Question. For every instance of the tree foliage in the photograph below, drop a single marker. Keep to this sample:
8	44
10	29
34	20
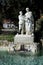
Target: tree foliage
39	26
10	8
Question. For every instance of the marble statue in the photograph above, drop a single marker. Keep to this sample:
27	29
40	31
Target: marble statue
26	40
28	21
21	22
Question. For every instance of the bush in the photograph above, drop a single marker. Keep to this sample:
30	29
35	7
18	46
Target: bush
39	26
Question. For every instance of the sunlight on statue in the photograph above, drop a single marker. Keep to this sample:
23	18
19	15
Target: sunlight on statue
28	21
21	22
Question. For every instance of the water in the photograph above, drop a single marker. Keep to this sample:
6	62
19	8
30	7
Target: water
20	59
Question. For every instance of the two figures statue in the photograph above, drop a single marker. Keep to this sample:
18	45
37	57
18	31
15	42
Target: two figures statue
26	22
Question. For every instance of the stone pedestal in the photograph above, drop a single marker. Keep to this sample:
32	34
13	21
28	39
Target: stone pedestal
27	41
23	39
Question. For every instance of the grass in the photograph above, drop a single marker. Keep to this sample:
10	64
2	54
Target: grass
8	37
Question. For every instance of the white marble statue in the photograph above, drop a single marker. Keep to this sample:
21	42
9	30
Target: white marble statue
28	21
21	22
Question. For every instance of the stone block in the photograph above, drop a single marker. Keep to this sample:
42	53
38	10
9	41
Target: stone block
23	39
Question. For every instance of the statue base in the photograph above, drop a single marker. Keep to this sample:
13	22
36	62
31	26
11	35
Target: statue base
23	39
25	43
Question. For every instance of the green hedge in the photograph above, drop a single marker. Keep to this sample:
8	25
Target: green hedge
9	37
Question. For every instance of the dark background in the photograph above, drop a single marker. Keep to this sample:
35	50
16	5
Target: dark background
9	9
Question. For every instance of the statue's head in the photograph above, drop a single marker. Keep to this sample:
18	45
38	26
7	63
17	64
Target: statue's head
20	13
27	9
